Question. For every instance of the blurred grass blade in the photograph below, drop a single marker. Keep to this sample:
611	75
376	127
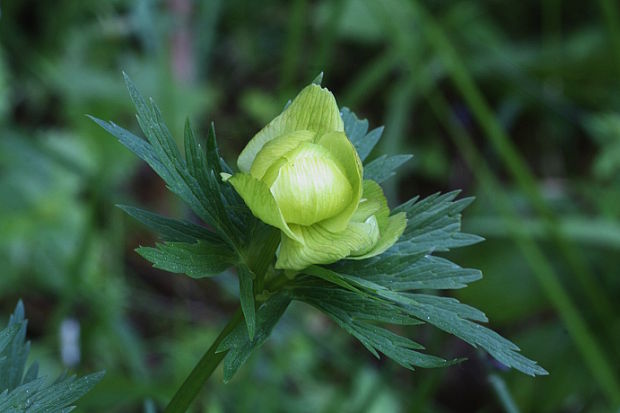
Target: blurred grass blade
582	336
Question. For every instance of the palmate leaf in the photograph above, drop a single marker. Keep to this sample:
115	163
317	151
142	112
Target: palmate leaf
415	272
357	132
433	225
380	169
198	260
358	313
195	178
172	229
384	167
26	392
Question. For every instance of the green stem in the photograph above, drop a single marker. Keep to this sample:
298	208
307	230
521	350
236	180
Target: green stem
257	257
202	371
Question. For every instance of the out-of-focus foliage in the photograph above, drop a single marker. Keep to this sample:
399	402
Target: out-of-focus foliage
516	103
23	390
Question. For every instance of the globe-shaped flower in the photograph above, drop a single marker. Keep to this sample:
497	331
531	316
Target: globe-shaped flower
301	174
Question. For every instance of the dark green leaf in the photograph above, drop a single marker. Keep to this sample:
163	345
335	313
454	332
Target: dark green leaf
60	395
16	353
32	372
200	259
357	132
246	295
374	338
330	276
238	343
195	179
455	318
384	167
410	272
135	144
433	224
27	393
172	229
357	306
7	335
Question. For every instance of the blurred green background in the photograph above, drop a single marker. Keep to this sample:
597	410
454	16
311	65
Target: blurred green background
516	103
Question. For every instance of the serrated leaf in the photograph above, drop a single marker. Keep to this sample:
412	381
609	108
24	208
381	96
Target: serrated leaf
331	277
384	167
411	272
195	180
16	353
337	306
246	295
433	225
17	400
206	167
357	306
239	345
63	393
454	319
7	335
198	260
172	229
32	373
137	145
357	132
27	393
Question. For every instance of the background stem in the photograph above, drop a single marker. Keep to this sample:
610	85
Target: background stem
502	393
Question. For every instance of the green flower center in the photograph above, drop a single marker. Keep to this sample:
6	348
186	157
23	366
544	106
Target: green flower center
308	185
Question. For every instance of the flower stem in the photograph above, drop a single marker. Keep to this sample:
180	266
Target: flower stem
202	371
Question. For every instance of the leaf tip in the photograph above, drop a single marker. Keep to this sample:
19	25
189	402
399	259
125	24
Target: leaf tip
20	313
318	79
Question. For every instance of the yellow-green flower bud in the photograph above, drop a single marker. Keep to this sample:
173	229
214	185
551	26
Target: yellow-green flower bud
301	174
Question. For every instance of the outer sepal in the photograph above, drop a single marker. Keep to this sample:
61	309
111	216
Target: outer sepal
314	109
390	227
260	200
369	232
321	246
341	148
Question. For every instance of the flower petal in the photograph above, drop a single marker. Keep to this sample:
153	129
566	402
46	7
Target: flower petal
261	202
345	154
277	148
373	202
313	109
321	246
310	187
390	227
389	235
